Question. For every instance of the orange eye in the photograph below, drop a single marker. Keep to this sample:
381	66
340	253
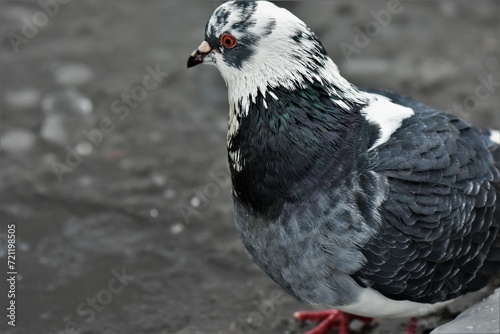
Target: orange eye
227	40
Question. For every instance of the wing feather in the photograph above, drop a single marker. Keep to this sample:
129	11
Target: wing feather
438	222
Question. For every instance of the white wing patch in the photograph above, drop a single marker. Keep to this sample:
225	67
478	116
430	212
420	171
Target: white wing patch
387	115
495	136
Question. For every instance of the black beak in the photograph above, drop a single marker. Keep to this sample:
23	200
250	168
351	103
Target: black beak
196	58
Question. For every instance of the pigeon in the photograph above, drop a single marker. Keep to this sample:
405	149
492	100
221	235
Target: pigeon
362	201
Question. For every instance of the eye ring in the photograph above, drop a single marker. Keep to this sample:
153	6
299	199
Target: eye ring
227	40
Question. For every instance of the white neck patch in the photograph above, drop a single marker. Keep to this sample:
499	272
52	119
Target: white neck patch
388	115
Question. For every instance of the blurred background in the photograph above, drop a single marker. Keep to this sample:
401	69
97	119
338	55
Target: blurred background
113	158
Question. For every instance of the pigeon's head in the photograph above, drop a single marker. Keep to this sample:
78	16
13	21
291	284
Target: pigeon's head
257	46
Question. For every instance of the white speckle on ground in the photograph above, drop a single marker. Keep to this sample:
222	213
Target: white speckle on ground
22	98
177	228
17	141
154	213
73	74
195	202
84	148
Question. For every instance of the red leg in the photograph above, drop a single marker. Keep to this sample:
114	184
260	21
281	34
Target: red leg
411	328
329	319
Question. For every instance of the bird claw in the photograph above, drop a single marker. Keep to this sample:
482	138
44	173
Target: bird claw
329	319
411	328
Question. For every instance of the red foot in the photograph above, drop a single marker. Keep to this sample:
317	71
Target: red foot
329	319
411	328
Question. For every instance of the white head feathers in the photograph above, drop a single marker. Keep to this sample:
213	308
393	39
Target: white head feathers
274	48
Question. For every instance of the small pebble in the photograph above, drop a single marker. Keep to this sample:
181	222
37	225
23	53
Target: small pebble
153	213
158	179
84	148
195	202
169	193
177	228
17	140
22	98
73	74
